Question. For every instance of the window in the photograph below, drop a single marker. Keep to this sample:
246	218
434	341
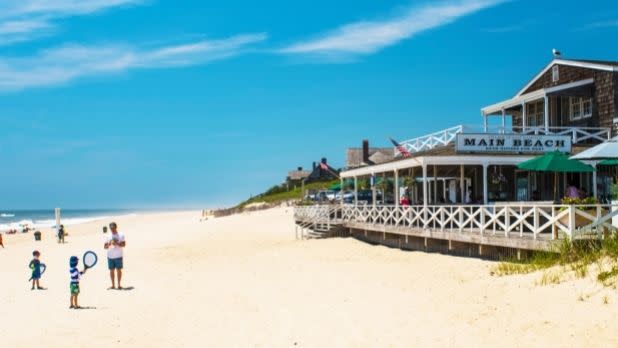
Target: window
580	108
555	73
534	114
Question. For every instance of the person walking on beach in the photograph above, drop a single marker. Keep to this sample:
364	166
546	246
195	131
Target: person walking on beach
114	244
1	244
61	234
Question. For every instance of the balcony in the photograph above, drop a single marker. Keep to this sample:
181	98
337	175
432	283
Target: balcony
448	136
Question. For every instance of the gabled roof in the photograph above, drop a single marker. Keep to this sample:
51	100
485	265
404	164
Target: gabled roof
582	63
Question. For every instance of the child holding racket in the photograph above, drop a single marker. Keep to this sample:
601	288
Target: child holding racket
35	266
75	277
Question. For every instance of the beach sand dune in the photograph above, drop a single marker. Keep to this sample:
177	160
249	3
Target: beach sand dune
244	281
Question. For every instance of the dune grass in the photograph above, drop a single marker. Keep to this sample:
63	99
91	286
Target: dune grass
567	256
279	194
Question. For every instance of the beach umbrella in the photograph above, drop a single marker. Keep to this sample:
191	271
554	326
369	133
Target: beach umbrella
603	151
335	187
609	162
556	162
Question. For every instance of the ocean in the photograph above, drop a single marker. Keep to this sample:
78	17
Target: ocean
16	219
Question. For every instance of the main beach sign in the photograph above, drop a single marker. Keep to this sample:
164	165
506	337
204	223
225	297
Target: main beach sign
512	143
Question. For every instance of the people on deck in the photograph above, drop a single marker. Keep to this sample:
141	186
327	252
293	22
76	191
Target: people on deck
114	244
404	201
572	191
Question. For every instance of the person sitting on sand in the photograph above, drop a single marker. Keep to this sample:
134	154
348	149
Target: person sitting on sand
114	244
75	277
35	266
1	244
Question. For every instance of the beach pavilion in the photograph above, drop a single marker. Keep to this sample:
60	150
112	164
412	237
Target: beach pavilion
466	178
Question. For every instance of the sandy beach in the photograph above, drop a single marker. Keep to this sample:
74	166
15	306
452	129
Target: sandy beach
244	281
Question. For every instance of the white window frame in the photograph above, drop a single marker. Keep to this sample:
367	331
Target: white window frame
576	105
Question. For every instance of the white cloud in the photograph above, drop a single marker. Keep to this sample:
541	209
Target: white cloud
64	64
367	37
14	8
24	20
602	24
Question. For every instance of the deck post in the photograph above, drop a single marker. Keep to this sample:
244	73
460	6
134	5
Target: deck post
594	181
572	225
425	195
503	122
435	184
396	188
546	112
462	186
341	191
484	122
373	189
523	116
485	165
355	192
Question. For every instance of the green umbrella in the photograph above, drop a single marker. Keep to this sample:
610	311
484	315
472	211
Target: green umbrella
335	187
609	162
556	162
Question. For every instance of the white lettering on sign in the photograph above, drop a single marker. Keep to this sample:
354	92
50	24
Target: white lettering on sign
512	143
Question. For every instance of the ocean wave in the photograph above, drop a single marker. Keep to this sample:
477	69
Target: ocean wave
7	215
50	223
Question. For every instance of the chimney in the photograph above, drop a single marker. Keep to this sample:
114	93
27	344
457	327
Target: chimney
314	165
365	151
323	160
300	169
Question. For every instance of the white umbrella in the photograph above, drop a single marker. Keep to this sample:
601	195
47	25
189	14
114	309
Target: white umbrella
606	150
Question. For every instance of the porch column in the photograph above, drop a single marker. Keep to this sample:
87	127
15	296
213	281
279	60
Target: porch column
444	189
355	191
594	181
484	122
523	115
396	188
435	185
546	111
425	195
503	121
341	191
485	165
373	181
462	184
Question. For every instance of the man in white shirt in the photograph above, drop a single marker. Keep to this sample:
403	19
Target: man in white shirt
114	244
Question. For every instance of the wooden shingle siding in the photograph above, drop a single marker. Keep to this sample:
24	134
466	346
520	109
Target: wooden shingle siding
605	95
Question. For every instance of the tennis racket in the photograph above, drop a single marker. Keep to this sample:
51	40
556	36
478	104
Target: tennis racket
90	259
43	268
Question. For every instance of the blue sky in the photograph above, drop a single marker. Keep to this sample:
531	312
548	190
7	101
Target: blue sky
158	103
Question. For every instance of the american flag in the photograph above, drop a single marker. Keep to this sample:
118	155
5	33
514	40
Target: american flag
401	149
324	166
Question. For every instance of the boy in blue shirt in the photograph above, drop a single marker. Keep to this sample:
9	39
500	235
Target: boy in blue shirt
35	266
75	277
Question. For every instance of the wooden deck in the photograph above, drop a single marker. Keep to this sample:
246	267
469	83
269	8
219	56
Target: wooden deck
521	227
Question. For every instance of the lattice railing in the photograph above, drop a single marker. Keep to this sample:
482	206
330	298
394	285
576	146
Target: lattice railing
428	142
578	134
510	221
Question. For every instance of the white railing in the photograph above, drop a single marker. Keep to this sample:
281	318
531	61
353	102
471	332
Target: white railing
448	136
428	142
510	221
578	134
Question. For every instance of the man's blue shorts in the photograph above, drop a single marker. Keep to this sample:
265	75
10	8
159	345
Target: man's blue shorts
114	263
